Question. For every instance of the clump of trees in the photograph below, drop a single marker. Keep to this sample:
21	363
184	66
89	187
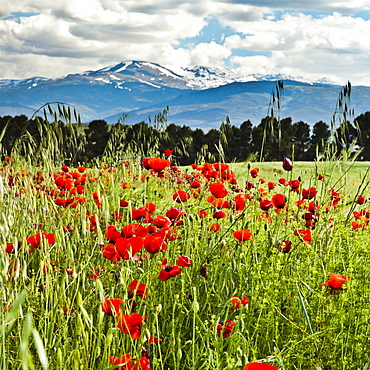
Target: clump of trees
271	140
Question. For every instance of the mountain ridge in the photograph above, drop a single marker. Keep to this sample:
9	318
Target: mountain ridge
198	96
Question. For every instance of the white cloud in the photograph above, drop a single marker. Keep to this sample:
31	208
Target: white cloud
68	36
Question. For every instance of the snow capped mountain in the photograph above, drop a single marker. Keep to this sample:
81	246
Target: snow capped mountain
199	96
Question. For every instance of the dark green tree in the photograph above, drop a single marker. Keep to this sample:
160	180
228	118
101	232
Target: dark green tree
301	140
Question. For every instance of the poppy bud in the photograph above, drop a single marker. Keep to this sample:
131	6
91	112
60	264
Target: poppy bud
287	164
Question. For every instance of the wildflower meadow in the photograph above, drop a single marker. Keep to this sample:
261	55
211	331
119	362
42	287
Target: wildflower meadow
139	264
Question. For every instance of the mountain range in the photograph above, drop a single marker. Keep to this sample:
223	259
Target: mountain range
199	97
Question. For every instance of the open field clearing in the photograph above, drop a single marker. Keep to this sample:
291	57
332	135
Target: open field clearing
142	265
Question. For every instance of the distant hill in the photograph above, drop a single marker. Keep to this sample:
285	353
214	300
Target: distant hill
199	97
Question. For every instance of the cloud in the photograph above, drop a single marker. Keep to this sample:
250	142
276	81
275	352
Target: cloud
68	36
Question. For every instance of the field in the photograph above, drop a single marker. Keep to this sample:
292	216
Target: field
143	265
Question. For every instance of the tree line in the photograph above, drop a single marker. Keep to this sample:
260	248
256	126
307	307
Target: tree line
271	140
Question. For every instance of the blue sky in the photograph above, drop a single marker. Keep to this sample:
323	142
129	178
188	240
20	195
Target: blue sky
311	39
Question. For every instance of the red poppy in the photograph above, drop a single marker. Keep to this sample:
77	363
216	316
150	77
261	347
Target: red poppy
294	184
305	235
124	362
254	172
154	340
219	214
158	164
283	181
218	190
360	199
150	207
309	193
134	229
236	302
112	234
128	247
174	213
110	252
139	288
195	184
161	221
287	164
184	261
154	244
265	204
130	324
225	328
219	166
168	271
243	235
123	203
140	214
202	214
35	240
181	196
168	152
336	282
284	245
278	200
259	366
112	306
214	227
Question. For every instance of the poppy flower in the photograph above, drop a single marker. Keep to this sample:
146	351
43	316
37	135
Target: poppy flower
294	184
265	204
284	246
134	230
202	214
195	184
174	213
214	227
130	324
184	261
154	340
219	214
236	302
225	328
139	288
287	164
112	306
254	172
35	240
259	366
124	362
243	235
150	207
128	247
168	152
309	193
305	235
336	282
168	271
110	252
123	203
218	190
360	199
278	200
154	244
161	221
158	164
283	181
112	234
181	196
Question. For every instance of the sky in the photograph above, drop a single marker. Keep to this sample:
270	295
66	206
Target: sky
306	38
